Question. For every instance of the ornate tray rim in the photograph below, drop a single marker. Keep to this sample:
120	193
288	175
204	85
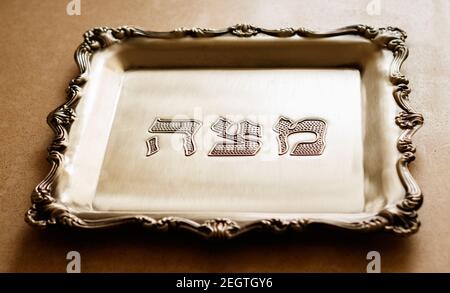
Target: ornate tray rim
401	218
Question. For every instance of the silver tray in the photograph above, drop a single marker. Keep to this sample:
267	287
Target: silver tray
221	132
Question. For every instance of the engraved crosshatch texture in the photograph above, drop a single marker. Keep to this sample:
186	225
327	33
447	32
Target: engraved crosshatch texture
286	126
240	144
152	145
186	127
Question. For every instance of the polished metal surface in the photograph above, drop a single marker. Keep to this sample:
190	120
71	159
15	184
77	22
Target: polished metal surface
226	131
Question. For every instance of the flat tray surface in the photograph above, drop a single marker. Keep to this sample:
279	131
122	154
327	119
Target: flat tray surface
265	182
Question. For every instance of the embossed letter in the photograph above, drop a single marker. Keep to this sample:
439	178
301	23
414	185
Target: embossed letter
285	127
187	127
241	144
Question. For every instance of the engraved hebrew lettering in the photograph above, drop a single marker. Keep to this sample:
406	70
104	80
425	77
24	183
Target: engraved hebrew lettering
241	144
152	145
186	127
286	126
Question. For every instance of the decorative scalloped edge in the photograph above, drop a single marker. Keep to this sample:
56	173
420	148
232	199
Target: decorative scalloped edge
401	218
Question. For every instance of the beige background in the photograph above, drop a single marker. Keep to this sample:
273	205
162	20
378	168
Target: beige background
38	40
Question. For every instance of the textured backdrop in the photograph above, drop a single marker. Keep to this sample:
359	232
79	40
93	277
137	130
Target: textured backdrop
36	53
